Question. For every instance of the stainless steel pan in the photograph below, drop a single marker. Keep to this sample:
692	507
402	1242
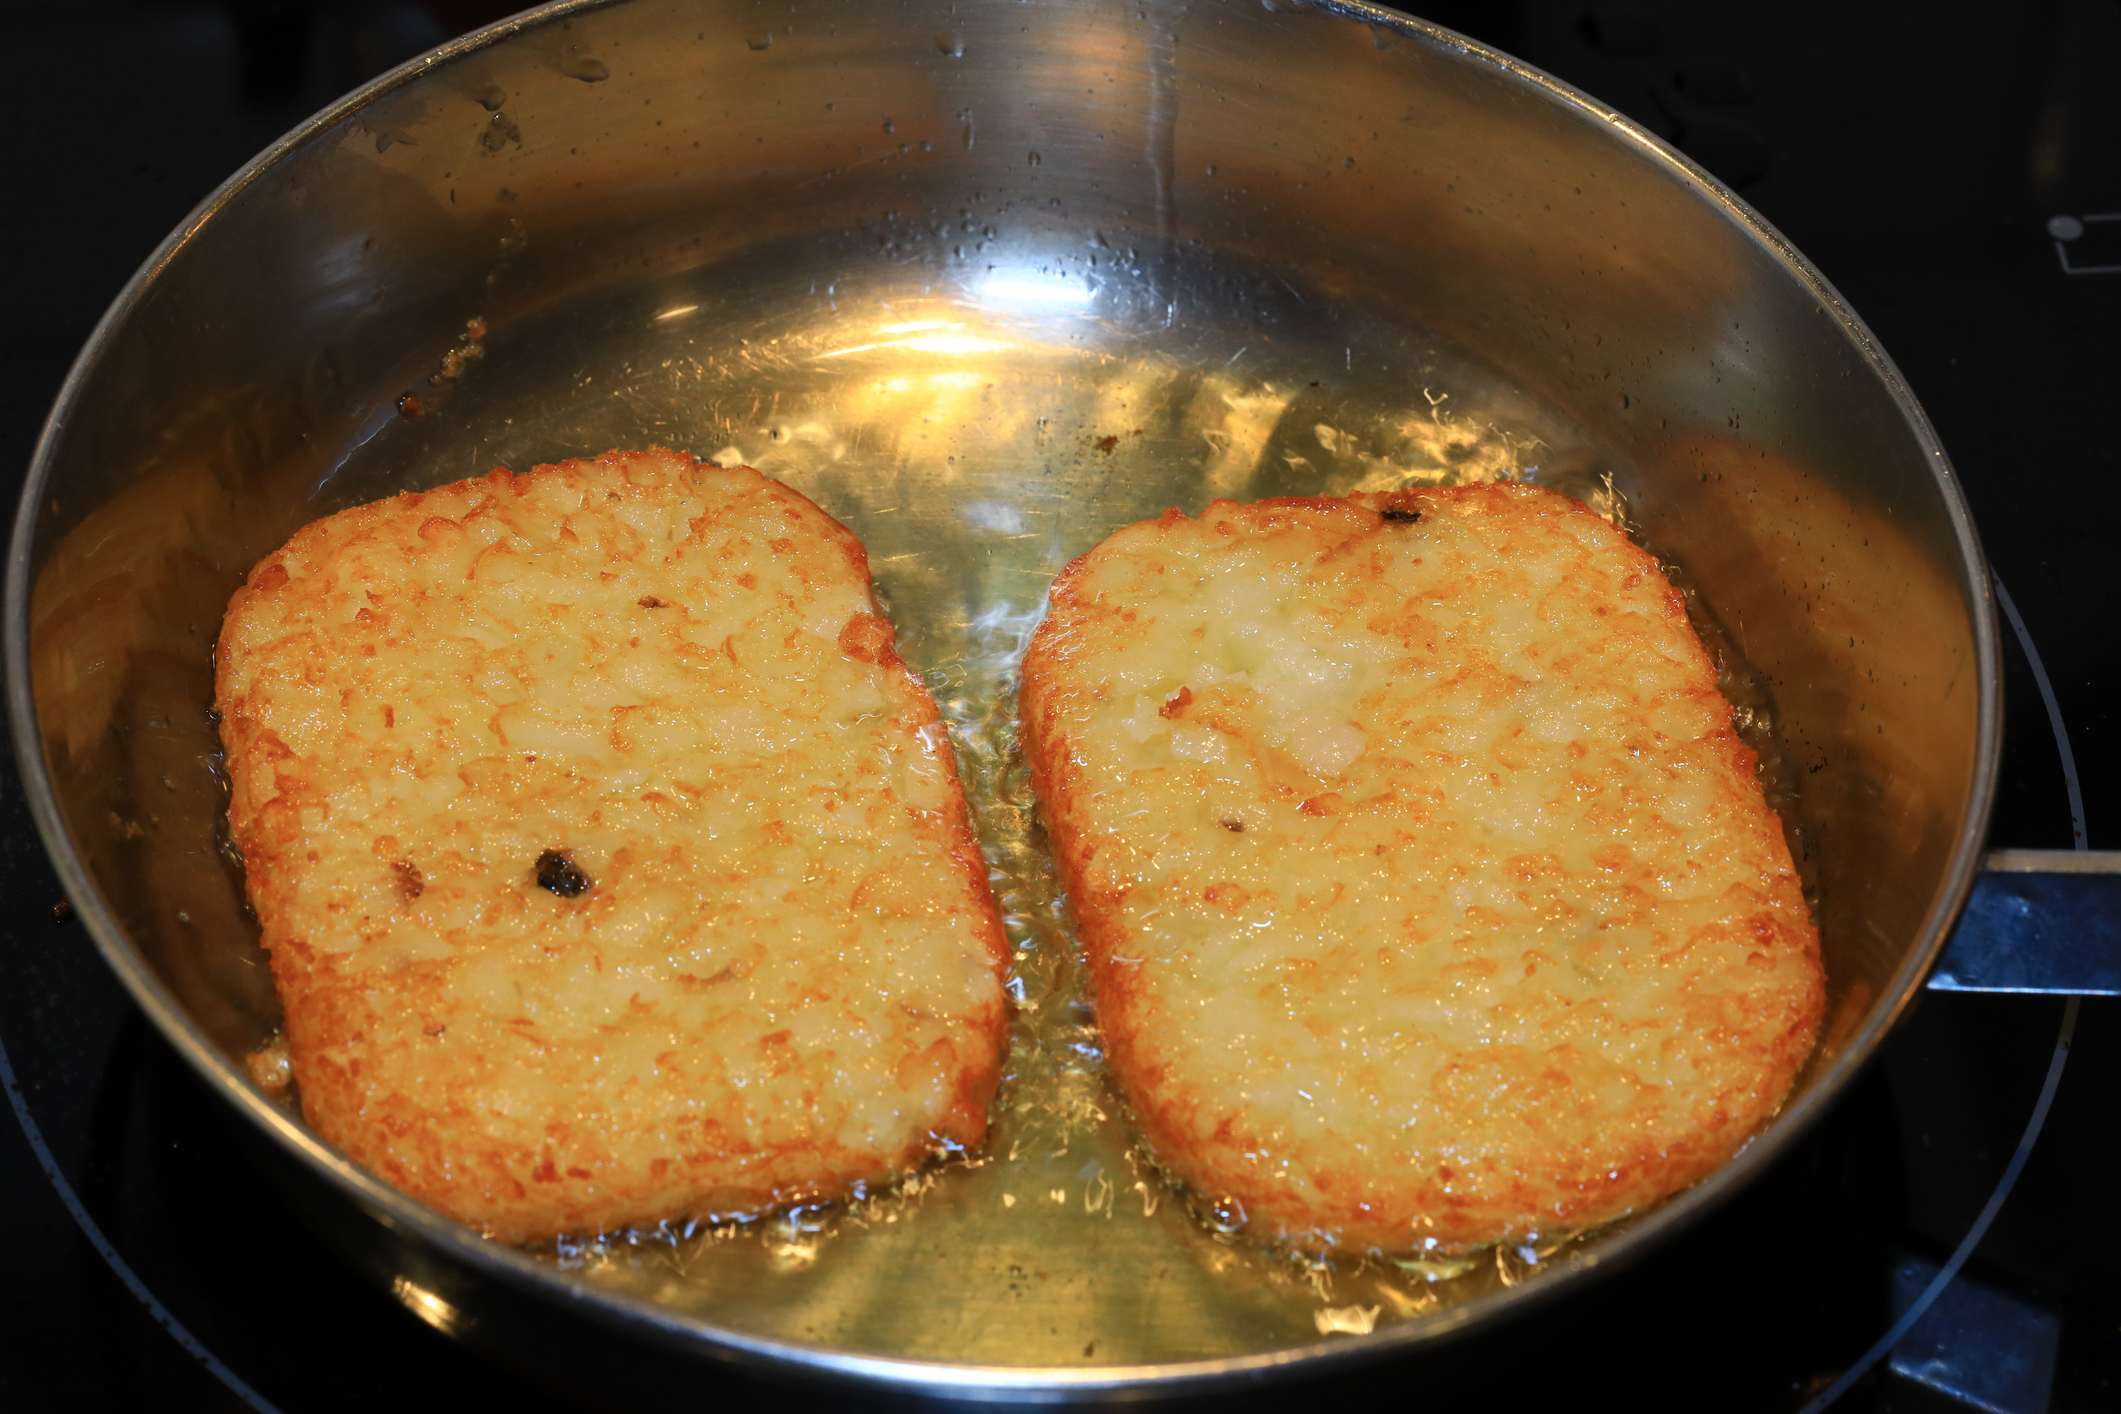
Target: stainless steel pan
988	280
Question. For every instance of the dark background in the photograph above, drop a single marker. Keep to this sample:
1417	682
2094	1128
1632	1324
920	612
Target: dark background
1915	152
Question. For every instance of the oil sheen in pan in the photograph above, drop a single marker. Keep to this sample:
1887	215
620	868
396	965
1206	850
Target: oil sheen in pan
977	438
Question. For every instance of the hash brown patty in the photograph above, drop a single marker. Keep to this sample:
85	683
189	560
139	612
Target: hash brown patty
613	866
1429	897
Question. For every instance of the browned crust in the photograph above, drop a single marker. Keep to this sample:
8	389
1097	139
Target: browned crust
584	1170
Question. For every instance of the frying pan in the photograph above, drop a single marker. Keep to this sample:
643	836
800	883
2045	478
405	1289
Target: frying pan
988	281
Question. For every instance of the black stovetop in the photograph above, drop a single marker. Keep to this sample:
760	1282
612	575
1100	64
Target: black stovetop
1942	164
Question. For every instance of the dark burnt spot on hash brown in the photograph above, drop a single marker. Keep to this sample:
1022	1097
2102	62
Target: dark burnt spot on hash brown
1404	517
559	873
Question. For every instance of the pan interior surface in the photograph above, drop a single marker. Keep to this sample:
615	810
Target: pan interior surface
988	282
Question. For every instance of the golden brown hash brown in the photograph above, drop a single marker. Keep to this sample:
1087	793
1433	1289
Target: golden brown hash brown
613	866
1430	898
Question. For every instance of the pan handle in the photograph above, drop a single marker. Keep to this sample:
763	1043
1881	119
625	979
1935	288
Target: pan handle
2039	920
